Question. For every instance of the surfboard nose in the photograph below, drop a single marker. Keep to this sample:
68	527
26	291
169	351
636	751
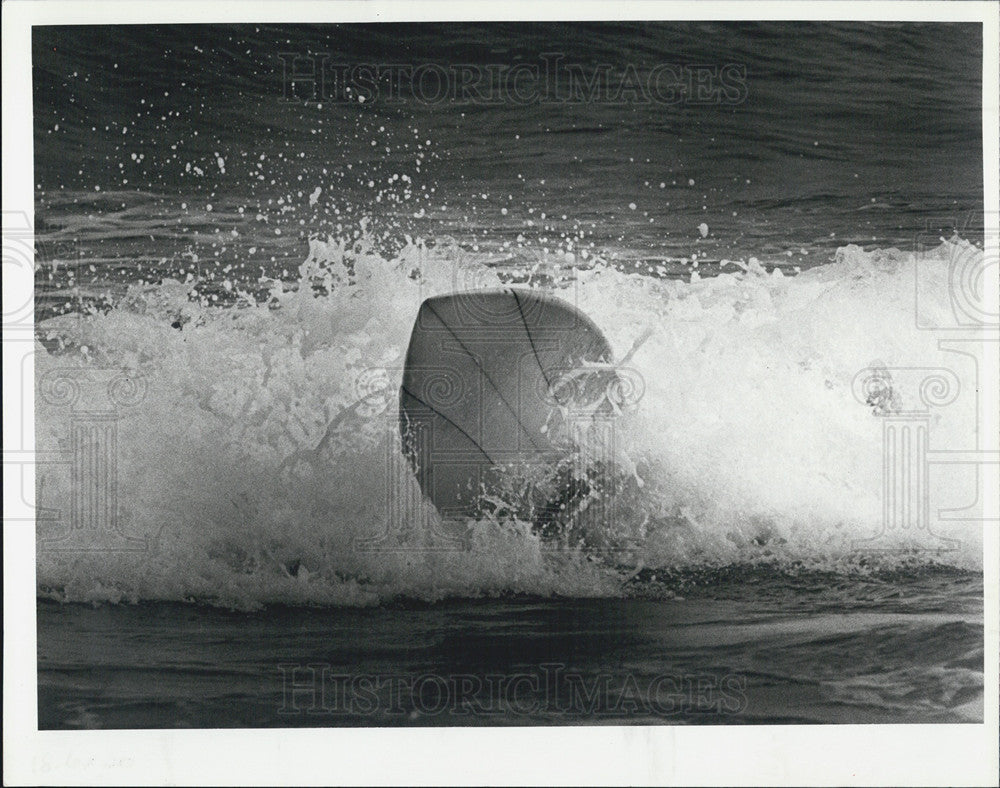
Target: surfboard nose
487	379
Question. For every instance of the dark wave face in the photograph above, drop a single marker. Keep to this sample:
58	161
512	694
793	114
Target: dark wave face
159	147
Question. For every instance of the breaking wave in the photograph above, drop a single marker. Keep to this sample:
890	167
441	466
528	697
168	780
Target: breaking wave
252	455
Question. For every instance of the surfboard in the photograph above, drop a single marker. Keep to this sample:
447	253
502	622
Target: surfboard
487	380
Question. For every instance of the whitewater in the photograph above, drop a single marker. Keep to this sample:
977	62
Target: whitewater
258	455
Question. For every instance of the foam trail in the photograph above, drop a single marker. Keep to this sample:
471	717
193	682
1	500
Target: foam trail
259	463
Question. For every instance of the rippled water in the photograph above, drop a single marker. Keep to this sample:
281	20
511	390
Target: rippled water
835	134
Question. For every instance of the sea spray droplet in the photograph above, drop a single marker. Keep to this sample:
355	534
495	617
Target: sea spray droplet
703	229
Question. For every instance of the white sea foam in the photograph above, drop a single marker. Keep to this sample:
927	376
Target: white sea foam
260	461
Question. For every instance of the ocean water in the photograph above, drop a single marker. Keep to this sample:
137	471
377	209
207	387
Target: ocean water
228	268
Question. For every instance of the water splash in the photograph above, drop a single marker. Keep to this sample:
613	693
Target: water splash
262	465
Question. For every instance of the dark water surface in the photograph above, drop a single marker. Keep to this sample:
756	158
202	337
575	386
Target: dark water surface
909	650
786	139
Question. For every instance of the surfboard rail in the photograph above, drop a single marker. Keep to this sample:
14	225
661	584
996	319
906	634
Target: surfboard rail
495	384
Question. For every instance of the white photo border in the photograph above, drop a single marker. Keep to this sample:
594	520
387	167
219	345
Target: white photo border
718	755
